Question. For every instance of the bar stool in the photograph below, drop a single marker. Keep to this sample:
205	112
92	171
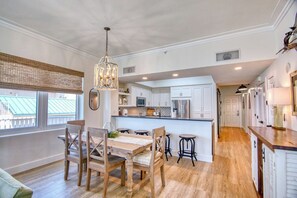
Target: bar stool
141	132
187	153
123	130
167	146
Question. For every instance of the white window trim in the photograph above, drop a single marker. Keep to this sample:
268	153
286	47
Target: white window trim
41	117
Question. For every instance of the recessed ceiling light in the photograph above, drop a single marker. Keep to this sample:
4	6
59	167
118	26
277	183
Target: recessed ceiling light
174	75
238	68
144	78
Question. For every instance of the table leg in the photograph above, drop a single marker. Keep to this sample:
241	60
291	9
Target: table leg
129	165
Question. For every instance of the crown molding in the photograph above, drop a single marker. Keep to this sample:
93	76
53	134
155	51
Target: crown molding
36	35
283	13
203	40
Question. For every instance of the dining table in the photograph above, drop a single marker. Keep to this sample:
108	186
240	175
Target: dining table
127	146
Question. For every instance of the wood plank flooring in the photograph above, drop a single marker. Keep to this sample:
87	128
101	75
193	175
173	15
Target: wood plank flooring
228	176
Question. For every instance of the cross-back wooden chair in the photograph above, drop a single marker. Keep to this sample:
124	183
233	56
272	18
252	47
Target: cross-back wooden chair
99	159
74	151
149	161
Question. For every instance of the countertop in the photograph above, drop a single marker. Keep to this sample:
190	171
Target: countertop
164	118
276	139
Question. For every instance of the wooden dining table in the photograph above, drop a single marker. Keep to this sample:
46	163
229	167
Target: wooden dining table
127	146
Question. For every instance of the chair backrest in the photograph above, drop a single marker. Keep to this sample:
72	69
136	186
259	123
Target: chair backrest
77	122
97	145
73	137
159	135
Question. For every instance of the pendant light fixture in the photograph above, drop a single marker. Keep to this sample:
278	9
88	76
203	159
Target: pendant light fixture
242	88
106	72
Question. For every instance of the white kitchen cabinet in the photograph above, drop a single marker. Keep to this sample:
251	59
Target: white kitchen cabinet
161	97
269	186
181	92
140	92
201	101
285	173
148	95
254	146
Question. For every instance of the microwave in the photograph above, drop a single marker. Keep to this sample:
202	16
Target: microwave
140	101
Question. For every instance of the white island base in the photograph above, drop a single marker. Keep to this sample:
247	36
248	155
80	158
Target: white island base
202	128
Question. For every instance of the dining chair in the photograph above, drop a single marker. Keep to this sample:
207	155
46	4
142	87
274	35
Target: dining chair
74	151
150	160
77	122
98	158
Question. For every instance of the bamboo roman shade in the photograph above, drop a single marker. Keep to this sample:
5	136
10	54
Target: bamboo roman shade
22	73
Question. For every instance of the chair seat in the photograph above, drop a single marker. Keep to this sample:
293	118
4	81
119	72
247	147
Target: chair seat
112	159
75	153
144	158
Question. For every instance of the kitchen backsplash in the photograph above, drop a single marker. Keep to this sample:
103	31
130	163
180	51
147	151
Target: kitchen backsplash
165	111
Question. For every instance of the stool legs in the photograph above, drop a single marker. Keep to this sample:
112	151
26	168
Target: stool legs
187	153
167	149
180	150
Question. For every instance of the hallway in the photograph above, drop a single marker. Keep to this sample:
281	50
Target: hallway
228	176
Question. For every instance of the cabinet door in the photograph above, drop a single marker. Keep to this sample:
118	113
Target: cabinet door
155	97
196	102
134	93
165	97
147	94
186	92
254	146
207	101
181	92
175	92
268	172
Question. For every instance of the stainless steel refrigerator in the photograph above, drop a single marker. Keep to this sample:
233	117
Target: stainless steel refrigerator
180	108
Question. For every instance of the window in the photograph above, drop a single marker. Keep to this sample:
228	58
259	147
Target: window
61	108
18	109
29	111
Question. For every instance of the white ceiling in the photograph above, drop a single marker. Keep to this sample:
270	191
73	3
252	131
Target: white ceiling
136	25
223	75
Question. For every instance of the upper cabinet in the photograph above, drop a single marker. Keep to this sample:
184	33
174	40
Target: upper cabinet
161	97
181	92
140	92
201	101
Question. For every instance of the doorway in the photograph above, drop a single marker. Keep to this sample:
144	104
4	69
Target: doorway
232	111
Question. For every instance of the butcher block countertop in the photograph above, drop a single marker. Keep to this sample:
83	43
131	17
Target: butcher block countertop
276	139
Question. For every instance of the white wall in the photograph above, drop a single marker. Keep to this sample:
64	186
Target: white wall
253	45
278	68
26	151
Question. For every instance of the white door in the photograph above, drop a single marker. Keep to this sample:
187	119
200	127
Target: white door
232	111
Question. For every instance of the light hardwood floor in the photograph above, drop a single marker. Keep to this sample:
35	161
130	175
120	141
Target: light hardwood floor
228	176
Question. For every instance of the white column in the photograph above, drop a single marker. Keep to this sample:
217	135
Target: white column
106	114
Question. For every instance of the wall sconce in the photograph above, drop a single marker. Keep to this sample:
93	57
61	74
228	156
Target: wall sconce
278	97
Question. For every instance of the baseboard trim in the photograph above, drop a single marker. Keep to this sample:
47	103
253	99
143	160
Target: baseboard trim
34	164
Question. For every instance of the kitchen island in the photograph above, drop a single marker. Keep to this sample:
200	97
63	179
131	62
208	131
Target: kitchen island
202	128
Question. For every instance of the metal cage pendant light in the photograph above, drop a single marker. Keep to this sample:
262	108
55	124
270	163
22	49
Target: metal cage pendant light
106	72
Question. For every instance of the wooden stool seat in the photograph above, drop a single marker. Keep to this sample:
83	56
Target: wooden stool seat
187	136
123	130
141	132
